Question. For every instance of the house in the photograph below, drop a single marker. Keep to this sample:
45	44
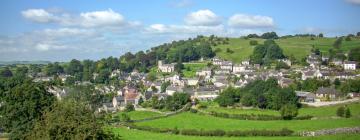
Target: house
337	62
131	96
165	67
286	61
237	68
245	62
305	96
118	101
327	93
204	72
354	95
349	65
217	61
170	90
207	93
107	107
226	65
307	74
285	82
192	81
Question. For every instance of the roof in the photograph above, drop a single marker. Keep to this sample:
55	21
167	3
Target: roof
327	90
350	62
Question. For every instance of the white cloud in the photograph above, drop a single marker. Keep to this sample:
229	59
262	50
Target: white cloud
250	21
101	18
105	18
357	2
182	3
184	29
49	46
38	15
202	18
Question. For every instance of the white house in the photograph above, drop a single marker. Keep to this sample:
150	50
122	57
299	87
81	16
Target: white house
239	68
165	67
349	65
226	65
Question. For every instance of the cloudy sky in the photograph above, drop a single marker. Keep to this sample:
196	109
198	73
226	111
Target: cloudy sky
83	29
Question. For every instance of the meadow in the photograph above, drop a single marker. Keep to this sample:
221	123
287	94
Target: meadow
127	134
190	69
300	47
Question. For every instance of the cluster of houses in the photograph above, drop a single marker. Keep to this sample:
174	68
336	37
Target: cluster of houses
210	81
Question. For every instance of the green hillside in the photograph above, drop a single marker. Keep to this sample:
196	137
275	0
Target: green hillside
297	46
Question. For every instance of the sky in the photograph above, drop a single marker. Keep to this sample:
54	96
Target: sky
55	30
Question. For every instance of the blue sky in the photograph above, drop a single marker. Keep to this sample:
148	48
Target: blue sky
62	30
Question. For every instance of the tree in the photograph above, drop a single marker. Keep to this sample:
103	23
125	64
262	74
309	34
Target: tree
348	38
358	34
347	113
269	35
70	119
179	66
141	100
340	111
321	35
129	107
253	42
354	54
281	65
6	72
337	43
288	111
74	67
337	82
227	97
22	104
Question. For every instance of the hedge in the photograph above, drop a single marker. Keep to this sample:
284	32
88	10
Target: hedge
217	132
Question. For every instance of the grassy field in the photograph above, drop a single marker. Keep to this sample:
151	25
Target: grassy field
143	135
297	46
194	121
191	68
319	112
138	115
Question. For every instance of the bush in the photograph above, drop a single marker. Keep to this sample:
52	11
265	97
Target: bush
347	113
253	42
288	111
193	110
245	116
340	111
129	107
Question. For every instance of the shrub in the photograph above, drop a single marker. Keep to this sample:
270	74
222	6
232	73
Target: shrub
288	111
347	113
129	107
340	111
193	110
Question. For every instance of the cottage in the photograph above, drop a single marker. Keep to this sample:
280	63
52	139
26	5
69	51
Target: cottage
237	68
207	93
131	96
349	65
204	72
245	62
305	96
192	81
327	93
165	67
226	65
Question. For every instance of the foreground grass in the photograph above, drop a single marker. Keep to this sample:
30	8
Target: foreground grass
297	46
189	120
127	134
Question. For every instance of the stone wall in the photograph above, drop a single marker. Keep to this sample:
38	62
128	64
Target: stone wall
344	130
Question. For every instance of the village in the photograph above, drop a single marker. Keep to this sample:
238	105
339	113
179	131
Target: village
218	75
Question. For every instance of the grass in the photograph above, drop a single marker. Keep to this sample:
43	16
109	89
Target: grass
330	111
191	68
242	111
300	47
319	112
138	115
127	134
194	121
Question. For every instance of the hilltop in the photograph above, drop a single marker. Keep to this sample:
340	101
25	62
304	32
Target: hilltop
300	47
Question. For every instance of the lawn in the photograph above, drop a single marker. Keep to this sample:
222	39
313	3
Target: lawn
189	120
127	134
138	115
190	69
300	47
